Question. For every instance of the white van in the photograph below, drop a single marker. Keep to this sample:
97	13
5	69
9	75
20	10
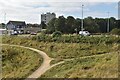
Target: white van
84	33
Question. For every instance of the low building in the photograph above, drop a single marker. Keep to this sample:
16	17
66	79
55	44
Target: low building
3	31
16	26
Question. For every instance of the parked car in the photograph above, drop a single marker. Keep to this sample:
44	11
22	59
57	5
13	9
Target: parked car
84	33
33	33
27	32
20	32
14	33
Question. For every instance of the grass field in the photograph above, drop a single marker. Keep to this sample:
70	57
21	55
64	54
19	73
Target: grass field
103	60
102	66
18	62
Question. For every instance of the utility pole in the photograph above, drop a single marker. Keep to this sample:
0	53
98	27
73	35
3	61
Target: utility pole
108	23
5	20
82	19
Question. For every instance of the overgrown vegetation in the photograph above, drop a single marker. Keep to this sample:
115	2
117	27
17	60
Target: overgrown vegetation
18	62
77	39
87	46
56	34
115	31
101	66
100	54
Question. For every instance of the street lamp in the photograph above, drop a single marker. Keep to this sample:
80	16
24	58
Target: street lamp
82	19
108	23
5	20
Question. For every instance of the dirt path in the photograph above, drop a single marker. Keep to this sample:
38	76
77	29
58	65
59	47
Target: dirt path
44	66
46	62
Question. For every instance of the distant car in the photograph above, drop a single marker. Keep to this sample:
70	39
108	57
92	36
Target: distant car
27	32
84	33
14	33
20	32
33	33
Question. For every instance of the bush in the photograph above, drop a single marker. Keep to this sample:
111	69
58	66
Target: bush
41	37
56	34
115	31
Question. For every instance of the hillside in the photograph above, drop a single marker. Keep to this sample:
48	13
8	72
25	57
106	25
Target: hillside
99	66
19	62
82	60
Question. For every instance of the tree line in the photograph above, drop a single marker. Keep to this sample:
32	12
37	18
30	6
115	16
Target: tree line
73	25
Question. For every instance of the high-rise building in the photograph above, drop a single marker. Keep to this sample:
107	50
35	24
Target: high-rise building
47	17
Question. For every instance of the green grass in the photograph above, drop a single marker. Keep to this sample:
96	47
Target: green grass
19	62
104	62
102	66
63	50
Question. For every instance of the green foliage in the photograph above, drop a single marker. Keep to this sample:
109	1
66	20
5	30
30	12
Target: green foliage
115	31
99	66
72	46
57	34
51	26
19	62
69	24
43	25
60	24
91	55
91	25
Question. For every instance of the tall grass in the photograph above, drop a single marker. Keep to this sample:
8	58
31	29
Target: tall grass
75	47
18	62
77	39
102	66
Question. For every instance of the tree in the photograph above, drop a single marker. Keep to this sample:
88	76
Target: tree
33	25
70	24
115	31
113	23
91	25
118	24
57	34
77	25
43	25
51	26
60	24
2	25
102	23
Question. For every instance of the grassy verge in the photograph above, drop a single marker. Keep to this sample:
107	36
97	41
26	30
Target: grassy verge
102	66
18	62
64	50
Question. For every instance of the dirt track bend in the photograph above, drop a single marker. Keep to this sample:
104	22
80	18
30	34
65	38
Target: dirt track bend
46	62
44	66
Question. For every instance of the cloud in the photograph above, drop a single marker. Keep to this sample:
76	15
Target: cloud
30	11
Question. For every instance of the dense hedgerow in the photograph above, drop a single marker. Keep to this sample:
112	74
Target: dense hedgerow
77	39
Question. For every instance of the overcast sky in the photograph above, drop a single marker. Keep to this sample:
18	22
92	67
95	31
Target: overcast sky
30	10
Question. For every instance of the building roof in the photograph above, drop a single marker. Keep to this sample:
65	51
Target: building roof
17	23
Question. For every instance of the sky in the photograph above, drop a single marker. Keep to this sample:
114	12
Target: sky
30	10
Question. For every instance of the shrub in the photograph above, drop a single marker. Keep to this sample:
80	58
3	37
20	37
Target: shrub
41	37
115	31
56	34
